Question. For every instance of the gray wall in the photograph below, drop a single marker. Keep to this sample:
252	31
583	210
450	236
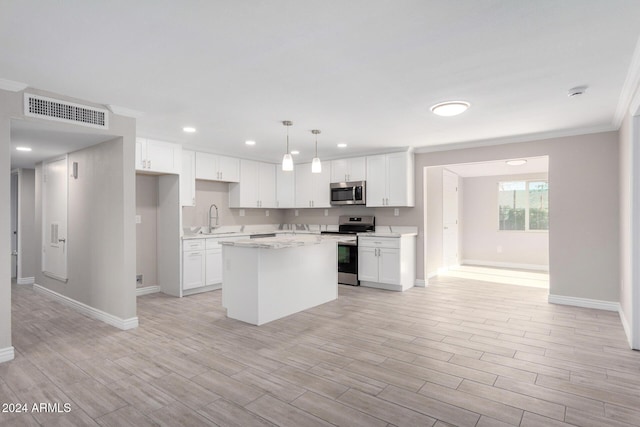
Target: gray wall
481	237
584	235
26	224
146	238
98	272
433	223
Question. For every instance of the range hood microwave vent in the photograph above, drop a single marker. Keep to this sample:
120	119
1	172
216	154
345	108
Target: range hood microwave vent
63	111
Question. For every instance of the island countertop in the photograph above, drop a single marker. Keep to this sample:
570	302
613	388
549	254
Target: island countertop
286	241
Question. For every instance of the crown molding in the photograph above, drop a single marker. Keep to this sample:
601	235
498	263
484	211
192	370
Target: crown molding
123	111
12	86
630	88
514	139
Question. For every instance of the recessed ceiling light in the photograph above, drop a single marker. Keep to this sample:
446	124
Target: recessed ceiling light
295	152
450	108
342	145
576	91
250	142
516	162
189	129
23	148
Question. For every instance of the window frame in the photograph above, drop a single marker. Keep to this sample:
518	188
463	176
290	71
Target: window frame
526	208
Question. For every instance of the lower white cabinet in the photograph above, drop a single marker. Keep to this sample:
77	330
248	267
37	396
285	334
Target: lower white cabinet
387	262
193	268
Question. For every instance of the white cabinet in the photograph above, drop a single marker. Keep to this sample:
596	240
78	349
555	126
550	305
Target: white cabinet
213	167
344	170
158	156
257	186
188	179
193	267
312	189
393	183
387	262
285	188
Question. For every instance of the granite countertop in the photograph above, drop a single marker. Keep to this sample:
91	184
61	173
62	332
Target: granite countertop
388	234
283	241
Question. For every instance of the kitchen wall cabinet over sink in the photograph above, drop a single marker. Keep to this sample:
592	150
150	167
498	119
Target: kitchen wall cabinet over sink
345	170
393	183
387	262
158	157
257	186
312	189
213	167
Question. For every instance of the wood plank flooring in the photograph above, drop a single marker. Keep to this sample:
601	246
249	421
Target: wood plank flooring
460	352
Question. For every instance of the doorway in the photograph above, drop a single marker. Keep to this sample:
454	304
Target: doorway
471	235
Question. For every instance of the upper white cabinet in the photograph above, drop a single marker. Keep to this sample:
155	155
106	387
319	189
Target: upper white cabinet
354	169
158	156
188	179
393	183
257	186
312	189
285	188
213	167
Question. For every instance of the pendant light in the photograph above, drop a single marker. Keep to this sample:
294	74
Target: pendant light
287	160
316	166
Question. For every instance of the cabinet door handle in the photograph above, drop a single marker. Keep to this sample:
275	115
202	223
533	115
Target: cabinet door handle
192	254
149	164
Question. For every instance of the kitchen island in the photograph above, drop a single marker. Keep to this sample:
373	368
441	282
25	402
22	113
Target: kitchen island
270	278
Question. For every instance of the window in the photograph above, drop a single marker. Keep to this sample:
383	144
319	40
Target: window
523	205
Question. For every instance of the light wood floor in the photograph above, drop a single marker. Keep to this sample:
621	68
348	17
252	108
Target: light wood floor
456	353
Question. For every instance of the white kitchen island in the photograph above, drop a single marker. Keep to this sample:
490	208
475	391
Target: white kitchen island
270	278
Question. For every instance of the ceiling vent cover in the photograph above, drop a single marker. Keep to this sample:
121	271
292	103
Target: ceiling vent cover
63	111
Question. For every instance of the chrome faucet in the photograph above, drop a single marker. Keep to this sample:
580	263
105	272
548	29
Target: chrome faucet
217	217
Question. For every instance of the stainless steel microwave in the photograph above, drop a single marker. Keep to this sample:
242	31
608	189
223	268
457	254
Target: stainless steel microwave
348	193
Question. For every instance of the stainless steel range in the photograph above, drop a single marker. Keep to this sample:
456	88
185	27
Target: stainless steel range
350	226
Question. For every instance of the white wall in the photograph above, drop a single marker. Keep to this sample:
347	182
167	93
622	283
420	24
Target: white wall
26	225
482	242
433	215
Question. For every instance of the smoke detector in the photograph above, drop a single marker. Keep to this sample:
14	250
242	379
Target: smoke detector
576	91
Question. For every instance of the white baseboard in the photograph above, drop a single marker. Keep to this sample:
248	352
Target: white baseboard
585	302
626	326
514	265
420	283
7	354
107	318
26	280
147	290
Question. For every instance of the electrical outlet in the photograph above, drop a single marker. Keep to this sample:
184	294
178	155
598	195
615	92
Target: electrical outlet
138	219
266	213
295	212
139	279
241	212
396	212
326	212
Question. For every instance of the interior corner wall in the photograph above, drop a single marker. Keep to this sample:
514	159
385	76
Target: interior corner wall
433	221
146	230
584	231
483	243
26	224
96	233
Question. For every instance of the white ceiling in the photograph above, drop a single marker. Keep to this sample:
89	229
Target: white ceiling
364	72
501	168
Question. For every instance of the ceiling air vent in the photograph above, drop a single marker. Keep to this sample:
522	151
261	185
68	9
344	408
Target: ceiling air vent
63	111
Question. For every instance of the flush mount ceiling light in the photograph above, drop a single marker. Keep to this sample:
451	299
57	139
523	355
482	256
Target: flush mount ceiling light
342	145
295	152
450	108
189	129
287	160
316	166
250	142
516	162
23	148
